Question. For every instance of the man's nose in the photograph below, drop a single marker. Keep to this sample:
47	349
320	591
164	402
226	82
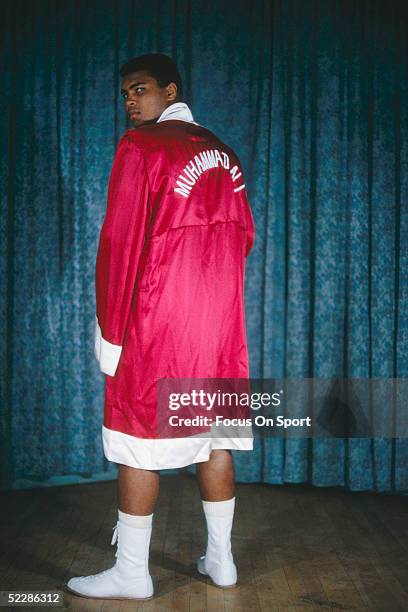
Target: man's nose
130	103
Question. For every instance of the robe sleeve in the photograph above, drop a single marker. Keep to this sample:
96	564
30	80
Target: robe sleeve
250	229
244	205
121	242
249	221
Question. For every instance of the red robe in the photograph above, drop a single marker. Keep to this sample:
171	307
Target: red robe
169	281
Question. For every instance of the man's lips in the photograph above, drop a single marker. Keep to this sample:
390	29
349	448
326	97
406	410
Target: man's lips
133	113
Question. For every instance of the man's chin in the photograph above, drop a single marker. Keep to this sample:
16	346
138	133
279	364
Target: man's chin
139	122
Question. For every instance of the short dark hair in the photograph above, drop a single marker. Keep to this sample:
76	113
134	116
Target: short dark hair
159	66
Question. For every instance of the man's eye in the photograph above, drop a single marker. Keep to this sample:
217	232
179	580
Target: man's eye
139	89
124	96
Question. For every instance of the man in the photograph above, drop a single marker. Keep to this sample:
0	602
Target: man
169	304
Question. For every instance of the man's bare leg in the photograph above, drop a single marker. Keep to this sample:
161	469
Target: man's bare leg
129	577
216	476
137	490
217	489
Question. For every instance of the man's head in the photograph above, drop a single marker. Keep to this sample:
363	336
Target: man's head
150	83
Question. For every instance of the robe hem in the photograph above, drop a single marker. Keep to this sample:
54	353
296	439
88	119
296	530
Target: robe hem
165	454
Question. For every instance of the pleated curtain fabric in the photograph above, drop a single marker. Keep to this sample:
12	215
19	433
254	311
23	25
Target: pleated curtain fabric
313	97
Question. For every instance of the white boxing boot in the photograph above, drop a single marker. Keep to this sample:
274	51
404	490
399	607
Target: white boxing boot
217	563
129	578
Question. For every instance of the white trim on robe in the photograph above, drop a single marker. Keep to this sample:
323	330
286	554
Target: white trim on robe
106	353
179	111
165	454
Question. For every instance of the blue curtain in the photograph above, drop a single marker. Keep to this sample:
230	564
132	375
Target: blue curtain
313	97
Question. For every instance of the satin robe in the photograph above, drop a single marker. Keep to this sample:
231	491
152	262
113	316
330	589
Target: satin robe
169	282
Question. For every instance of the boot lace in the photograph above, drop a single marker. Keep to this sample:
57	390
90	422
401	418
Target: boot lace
115	538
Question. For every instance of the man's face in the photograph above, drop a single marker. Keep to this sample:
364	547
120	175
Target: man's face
144	99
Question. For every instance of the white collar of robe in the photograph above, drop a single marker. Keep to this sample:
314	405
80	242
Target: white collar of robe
177	110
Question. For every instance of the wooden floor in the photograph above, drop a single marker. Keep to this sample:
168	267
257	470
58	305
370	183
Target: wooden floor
296	547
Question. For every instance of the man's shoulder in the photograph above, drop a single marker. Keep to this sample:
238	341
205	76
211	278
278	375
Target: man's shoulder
155	136
134	137
164	130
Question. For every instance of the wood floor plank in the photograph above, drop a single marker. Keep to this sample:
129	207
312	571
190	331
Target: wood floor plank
183	562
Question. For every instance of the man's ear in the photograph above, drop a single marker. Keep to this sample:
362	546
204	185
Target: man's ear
171	92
